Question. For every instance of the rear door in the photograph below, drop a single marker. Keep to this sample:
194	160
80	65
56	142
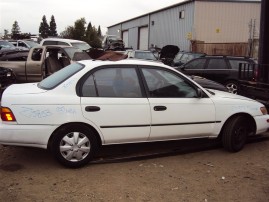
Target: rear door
113	100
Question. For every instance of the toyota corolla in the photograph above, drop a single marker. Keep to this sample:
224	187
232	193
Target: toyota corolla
88	104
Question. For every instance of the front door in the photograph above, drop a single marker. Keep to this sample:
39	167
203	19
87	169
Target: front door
176	110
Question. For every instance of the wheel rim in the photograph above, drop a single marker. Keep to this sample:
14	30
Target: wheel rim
240	136
75	146
232	88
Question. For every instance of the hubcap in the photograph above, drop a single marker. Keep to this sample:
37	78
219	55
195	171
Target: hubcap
232	88
75	146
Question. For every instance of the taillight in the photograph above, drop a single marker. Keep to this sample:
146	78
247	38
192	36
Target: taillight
7	115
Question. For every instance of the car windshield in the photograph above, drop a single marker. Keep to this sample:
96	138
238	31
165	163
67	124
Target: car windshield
6	44
113	38
178	57
145	55
82	46
60	76
31	43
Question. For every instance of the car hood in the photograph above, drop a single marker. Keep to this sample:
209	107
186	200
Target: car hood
27	88
222	94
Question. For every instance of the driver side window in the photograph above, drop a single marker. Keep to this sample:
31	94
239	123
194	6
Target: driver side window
165	84
196	64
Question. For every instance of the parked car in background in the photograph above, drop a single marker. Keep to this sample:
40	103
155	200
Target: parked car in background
24	44
139	54
82	45
6	45
184	57
40	62
112	42
222	69
93	103
7	77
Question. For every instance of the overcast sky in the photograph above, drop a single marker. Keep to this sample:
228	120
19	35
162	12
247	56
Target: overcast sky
29	13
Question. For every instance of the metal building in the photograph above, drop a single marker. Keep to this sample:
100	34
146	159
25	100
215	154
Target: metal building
193	22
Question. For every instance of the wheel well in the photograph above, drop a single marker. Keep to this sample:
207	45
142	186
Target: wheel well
231	81
249	119
98	138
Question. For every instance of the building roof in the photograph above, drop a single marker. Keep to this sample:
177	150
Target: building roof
186	2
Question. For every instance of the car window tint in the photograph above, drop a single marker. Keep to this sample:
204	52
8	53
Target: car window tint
235	63
50	43
113	82
217	63
63	43
36	55
60	76
163	83
88	88
196	64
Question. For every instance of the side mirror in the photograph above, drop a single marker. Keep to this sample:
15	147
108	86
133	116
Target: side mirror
200	93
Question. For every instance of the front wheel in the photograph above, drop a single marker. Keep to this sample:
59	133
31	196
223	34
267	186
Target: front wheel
74	146
232	87
234	134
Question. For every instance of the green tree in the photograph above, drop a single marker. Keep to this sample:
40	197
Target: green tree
68	32
79	29
15	29
52	27
99	33
44	28
5	34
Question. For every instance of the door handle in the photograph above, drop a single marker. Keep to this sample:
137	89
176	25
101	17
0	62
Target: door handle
92	109
159	108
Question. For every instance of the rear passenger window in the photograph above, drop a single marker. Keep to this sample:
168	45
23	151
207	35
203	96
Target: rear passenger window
50	43
63	43
112	82
235	63
217	64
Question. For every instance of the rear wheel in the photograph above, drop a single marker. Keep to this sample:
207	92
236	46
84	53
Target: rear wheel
74	145
234	134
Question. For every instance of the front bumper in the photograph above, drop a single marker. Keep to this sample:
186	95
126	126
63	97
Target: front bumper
262	123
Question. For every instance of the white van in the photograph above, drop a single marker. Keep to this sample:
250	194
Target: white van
82	45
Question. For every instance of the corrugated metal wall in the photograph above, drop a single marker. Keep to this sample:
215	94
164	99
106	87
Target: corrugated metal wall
225	22
168	29
210	22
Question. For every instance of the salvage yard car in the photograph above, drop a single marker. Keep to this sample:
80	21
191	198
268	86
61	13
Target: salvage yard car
7	78
93	103
40	62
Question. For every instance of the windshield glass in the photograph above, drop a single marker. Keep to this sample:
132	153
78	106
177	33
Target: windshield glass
113	38
145	55
60	76
31	43
178	57
82	46
6	44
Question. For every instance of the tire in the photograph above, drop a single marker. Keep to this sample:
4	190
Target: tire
232	86
235	133
74	146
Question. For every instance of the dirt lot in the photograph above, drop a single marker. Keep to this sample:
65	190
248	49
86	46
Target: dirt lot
196	170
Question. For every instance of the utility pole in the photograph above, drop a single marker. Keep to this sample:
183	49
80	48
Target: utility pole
264	39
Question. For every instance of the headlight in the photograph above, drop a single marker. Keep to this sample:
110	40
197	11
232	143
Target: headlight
264	110
8	74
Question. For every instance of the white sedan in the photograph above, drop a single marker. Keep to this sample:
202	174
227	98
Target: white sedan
92	103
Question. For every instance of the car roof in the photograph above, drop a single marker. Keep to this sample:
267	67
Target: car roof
63	40
95	63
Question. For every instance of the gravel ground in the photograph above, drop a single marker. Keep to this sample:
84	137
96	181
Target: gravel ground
193	170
